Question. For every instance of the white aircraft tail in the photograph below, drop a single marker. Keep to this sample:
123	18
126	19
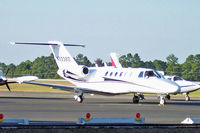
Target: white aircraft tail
62	57
115	61
64	60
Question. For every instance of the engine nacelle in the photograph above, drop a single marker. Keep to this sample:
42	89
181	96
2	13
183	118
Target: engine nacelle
80	72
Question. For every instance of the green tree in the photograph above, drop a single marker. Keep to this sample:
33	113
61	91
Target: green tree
196	68
187	68
11	70
126	60
24	68
160	65
149	64
45	67
99	62
173	68
136	61
3	67
83	60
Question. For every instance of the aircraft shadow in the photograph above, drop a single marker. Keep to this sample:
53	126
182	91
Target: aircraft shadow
35	98
181	102
107	102
146	102
174	102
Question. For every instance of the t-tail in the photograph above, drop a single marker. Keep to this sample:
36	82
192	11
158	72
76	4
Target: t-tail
68	67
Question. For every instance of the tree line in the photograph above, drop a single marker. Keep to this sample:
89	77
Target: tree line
45	66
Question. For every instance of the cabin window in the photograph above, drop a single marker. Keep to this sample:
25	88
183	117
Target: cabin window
120	74
116	74
111	73
140	75
170	78
106	73
130	74
125	74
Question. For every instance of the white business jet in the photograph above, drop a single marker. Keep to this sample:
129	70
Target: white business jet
186	86
4	80
105	80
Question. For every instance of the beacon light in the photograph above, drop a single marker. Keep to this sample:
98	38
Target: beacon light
88	115
1	117
138	117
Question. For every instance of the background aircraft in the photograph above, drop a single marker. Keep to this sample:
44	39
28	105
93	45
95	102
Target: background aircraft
105	80
4	80
186	86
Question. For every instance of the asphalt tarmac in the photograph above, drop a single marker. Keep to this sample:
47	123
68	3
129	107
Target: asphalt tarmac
62	107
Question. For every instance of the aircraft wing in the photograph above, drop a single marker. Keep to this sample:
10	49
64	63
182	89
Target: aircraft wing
70	88
22	79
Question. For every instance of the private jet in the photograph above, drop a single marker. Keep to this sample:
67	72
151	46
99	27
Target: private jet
107	80
186	86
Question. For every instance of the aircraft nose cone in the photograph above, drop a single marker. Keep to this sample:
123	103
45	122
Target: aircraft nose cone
171	87
174	88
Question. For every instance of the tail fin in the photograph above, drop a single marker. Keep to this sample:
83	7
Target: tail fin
114	60
62	57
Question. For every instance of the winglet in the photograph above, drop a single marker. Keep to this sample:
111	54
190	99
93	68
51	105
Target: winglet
12	43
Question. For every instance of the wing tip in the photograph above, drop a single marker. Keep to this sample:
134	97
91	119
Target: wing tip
12	43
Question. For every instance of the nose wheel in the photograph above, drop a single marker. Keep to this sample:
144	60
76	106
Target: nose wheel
79	97
162	100
187	98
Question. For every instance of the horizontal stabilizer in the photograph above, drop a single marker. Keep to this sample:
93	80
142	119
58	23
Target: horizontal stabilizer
45	43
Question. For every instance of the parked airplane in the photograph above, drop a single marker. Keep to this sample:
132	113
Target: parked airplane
105	80
186	86
4	80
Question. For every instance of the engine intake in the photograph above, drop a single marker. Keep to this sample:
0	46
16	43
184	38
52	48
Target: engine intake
85	70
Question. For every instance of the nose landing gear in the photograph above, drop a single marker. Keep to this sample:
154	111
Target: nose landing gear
79	97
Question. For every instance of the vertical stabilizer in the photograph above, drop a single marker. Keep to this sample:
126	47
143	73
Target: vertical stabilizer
64	60
115	61
62	56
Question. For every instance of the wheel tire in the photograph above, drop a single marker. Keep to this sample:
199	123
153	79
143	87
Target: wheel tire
168	97
187	98
80	99
135	99
162	101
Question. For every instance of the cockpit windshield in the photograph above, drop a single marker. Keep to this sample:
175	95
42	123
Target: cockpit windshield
177	78
152	74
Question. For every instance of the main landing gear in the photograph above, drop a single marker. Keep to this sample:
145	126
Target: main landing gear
136	99
141	96
168	97
79	97
187	97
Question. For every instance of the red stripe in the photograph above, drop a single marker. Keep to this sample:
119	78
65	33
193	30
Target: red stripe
113	64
